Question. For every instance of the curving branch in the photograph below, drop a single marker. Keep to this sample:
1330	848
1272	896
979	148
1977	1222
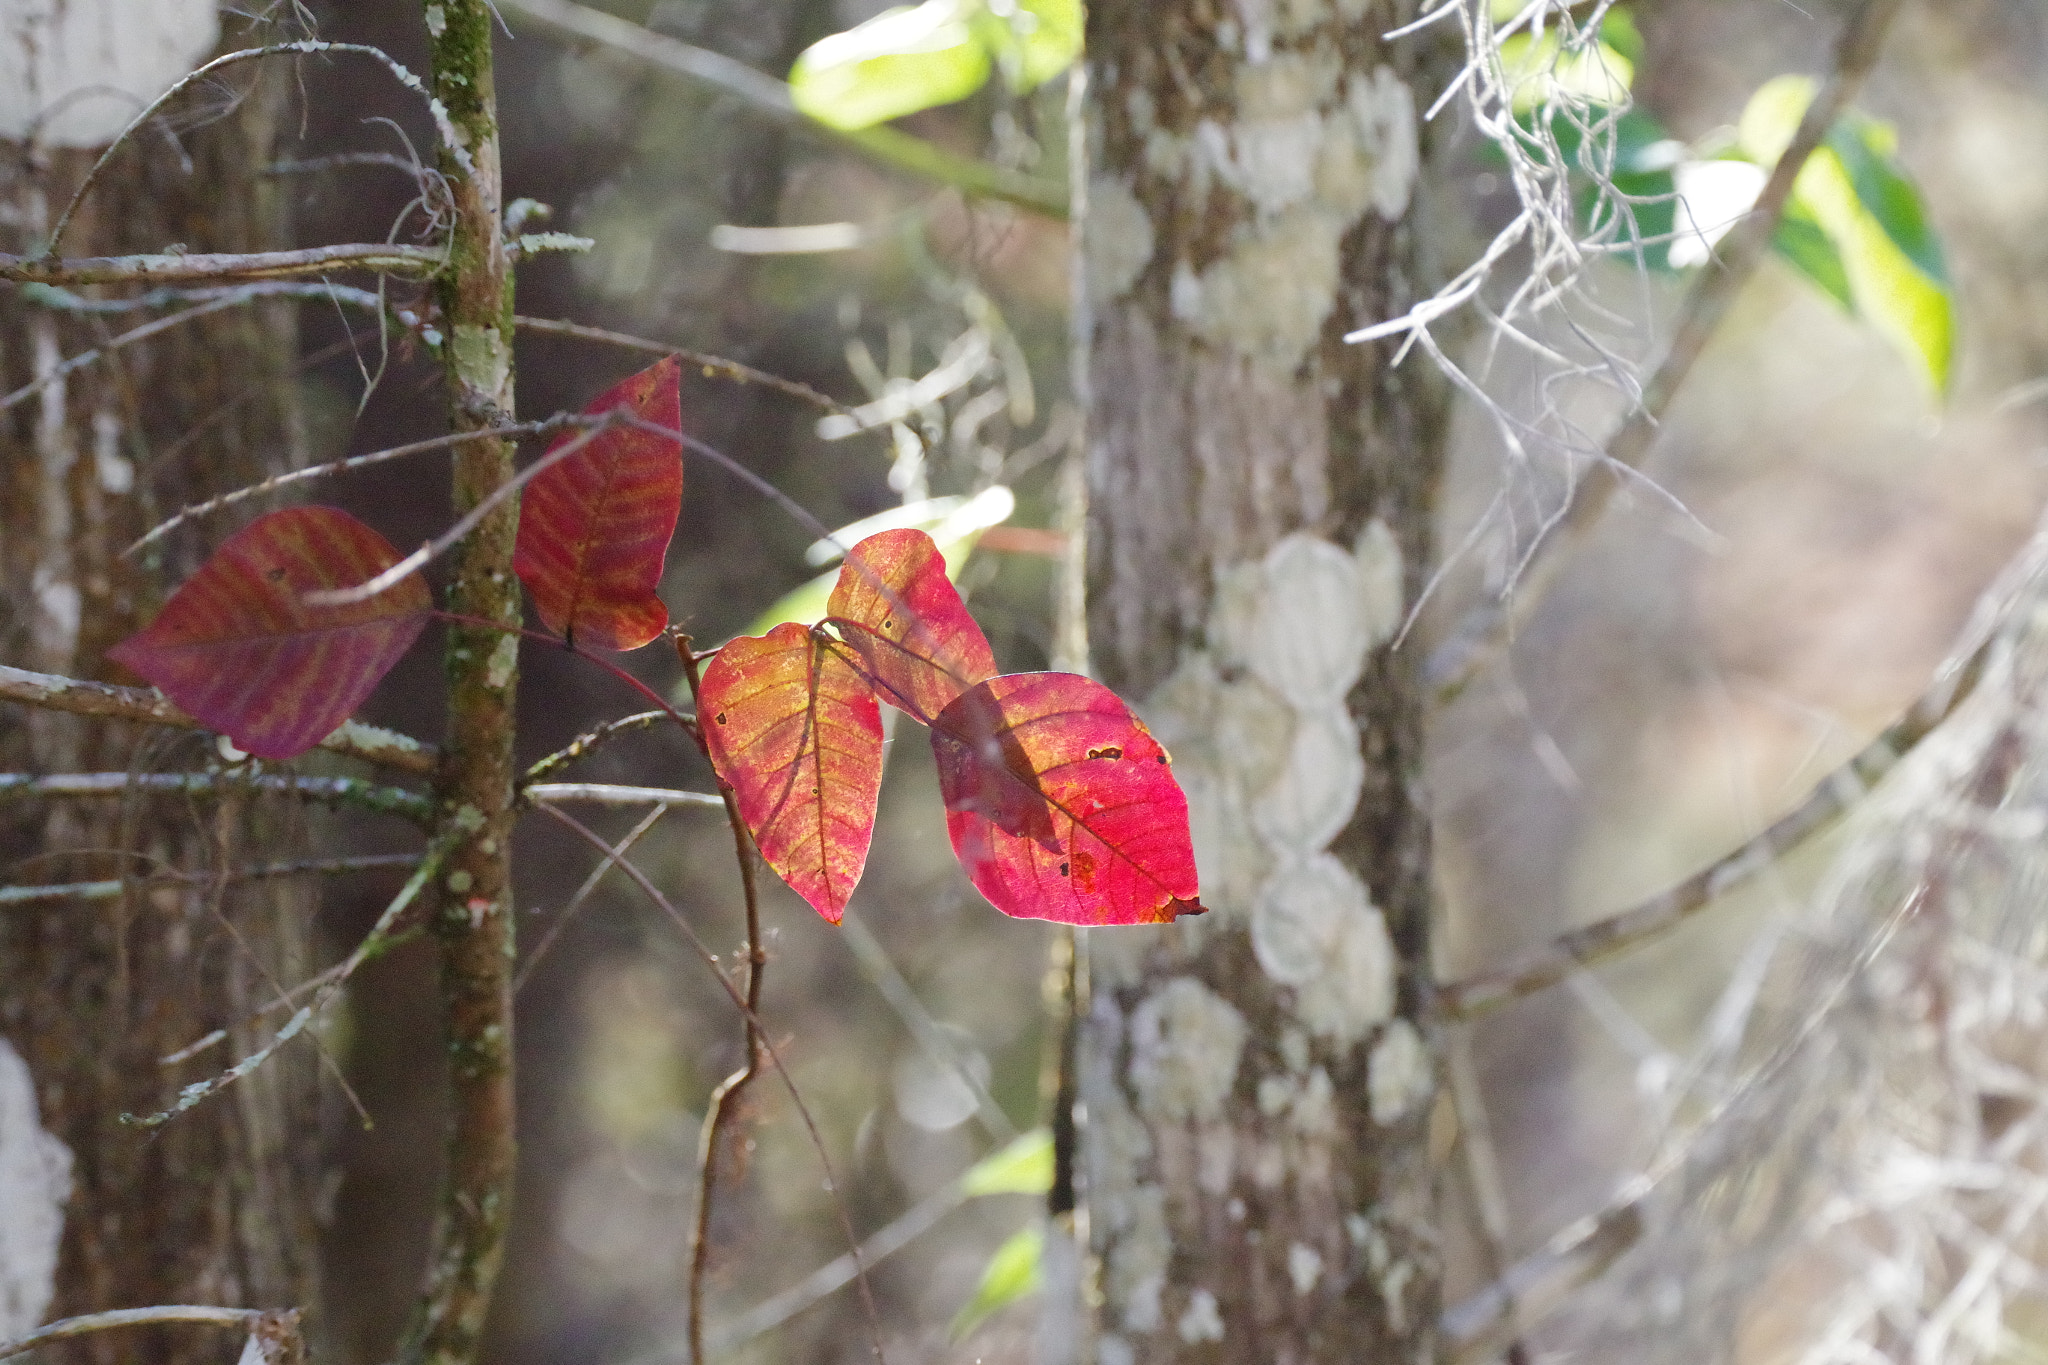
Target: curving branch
178	267
768	1050
64	1329
712	366
765	94
145	706
1552	962
724	1102
1485	630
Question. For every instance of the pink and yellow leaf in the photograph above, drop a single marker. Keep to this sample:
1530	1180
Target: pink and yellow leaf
795	732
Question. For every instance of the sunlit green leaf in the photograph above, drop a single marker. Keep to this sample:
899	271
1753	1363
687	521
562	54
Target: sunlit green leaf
1771	117
1856	226
1054	41
1540	71
1013	1272
902	60
1022	1167
954	523
1807	248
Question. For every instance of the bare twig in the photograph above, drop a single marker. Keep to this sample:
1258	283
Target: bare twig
1485	1324
111	890
165	267
712	366
724	1101
583	894
372	944
890	146
307	47
385	748
586	744
768	1048
1552	962
336	791
1484	631
66	1328
353	462
881	971
613	794
831	1277
127	338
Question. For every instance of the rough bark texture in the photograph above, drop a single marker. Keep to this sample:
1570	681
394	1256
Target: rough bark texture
217	1206
1257	1085
474	916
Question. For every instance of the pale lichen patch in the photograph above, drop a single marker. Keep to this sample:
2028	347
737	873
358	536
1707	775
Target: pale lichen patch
1186	1041
1312	798
1304	1267
1203	1320
1117	239
1300	915
35	1183
1382	589
1398	1073
1269	295
1384	110
1355	991
1311	636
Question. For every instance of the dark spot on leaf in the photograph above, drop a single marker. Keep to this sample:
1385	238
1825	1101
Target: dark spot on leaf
720	717
1063	869
1106	751
1162	758
274	575
888	622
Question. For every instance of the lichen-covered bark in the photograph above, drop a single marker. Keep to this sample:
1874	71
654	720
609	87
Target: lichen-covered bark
218	1206
1257	1085
473	917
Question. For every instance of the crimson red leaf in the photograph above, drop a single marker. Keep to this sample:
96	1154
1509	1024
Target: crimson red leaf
901	614
594	528
794	730
240	649
1062	806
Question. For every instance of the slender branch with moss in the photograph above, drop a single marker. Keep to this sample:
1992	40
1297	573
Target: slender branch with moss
472	916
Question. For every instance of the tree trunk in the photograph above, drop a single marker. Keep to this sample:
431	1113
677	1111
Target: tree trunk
95	994
1257	1085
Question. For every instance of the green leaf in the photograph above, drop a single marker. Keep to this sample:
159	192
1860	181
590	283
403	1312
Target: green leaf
1806	247
1030	41
902	60
1013	1272
1855	225
1541	72
1022	1167
955	523
1890	290
1771	117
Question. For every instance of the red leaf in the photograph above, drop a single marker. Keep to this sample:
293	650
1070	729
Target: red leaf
899	612
239	648
594	529
794	730
1062	806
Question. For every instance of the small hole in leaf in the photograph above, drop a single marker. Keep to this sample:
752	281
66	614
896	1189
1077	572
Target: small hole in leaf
888	623
1063	869
1106	751
720	717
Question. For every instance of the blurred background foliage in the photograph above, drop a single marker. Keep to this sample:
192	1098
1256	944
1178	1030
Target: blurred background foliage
1825	522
